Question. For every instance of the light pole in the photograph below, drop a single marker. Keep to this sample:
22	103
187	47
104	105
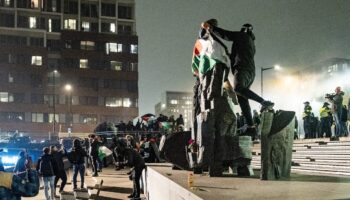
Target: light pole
68	88
276	67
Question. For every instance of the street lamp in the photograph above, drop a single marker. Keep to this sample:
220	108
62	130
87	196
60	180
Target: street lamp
276	67
68	88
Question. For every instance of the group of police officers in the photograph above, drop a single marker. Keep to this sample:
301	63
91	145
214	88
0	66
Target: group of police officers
330	113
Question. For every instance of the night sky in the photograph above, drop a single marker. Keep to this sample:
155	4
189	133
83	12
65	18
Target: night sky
293	33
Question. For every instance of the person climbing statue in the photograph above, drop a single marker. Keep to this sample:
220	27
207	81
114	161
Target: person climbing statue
243	69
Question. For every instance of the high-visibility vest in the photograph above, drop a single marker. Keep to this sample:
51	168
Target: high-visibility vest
324	112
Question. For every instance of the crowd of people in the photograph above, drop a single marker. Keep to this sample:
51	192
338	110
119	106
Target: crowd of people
128	151
332	112
152	123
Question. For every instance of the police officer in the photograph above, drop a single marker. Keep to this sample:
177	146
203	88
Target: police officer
307	117
325	115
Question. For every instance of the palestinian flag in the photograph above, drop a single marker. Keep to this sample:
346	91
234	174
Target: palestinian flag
203	59
104	152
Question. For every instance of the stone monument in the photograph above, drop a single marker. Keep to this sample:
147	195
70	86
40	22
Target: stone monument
277	136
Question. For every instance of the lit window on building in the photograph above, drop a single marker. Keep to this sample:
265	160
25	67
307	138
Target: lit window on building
7	2
4	97
126	102
32	22
50	25
133	48
51	117
88	119
114	102
54	5
133	67
38	117
34	4
37	60
10	78
188	102
173	101
332	68
85	26
113	47
87	45
83	63
112	28
70	24
115	65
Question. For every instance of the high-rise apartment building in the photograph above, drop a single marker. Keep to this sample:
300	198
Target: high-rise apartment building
67	65
176	103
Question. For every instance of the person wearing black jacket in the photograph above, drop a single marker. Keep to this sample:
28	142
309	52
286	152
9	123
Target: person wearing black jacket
133	159
243	69
94	145
61	172
46	167
77	158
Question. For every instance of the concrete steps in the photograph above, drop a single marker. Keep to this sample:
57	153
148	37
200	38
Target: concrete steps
316	157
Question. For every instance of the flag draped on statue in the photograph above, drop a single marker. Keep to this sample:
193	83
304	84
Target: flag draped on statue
207	53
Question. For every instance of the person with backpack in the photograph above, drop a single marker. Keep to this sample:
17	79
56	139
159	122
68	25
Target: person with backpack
45	168
60	173
77	158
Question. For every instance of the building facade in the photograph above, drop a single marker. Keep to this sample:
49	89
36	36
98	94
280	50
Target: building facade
67	65
176	103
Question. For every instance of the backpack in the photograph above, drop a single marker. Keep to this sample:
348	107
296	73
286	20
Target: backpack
46	166
73	157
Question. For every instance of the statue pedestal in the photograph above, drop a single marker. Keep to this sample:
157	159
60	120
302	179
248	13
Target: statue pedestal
277	136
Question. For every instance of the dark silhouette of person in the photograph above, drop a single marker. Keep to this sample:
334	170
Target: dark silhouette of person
243	69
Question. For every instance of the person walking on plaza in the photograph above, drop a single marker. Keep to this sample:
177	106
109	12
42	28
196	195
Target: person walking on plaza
58	155
243	69
77	158
325	115
93	153
46	168
307	118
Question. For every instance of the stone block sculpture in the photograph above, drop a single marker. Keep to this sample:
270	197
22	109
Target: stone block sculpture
276	144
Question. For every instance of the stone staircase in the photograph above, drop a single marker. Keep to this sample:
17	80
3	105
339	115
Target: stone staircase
316	157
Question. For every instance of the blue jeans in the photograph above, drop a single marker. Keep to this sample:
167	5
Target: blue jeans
338	126
49	181
81	169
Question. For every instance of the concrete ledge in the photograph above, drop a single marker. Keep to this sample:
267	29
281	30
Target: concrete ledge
160	187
